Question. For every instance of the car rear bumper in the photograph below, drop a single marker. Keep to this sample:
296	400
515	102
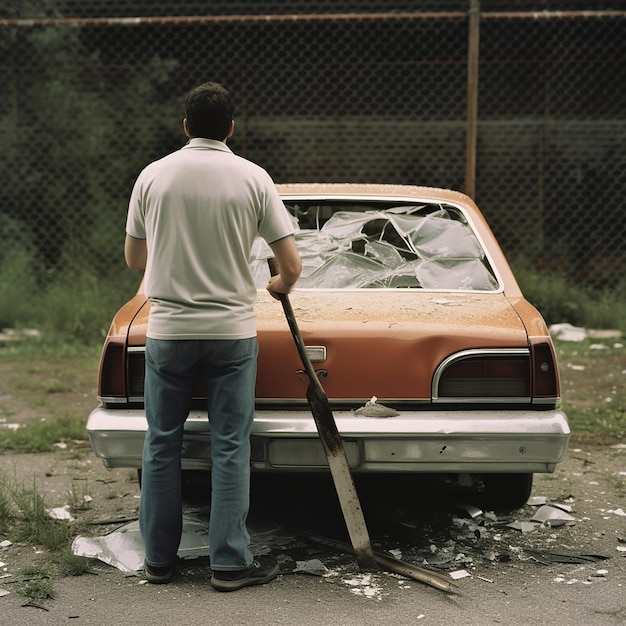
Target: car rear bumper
414	441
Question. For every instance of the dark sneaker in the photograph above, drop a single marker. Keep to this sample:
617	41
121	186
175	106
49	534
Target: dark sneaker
262	570
158	575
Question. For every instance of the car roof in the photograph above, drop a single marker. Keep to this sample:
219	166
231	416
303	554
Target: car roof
372	189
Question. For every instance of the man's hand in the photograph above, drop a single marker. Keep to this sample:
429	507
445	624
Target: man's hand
276	286
289	267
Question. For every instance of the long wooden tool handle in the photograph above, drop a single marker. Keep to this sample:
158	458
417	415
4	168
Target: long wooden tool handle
295	331
414	572
333	446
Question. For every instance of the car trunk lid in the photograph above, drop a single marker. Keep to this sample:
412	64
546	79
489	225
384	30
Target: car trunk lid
377	343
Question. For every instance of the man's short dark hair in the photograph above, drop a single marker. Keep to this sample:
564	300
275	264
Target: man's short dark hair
209	111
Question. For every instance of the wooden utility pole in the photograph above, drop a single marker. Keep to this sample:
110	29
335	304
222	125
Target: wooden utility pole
472	96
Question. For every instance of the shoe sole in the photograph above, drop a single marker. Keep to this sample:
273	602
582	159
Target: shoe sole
159	579
233	585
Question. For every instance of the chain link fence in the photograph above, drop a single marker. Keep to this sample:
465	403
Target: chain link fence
520	103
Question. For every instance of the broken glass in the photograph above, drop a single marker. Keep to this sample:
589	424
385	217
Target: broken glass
345	270
363	246
385	253
456	274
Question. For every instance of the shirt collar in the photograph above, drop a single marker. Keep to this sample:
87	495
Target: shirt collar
211	144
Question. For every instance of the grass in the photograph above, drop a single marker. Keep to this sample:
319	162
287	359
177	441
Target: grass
42	436
24	517
594	394
48	388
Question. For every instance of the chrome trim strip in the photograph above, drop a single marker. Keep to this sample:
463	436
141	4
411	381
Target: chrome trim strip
397	403
475	400
317	354
466	354
547	401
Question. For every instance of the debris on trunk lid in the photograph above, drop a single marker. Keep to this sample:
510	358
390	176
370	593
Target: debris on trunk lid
373	409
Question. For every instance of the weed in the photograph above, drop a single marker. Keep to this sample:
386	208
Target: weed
56	386
6	510
77	454
70	564
80	500
35	526
24	517
38	588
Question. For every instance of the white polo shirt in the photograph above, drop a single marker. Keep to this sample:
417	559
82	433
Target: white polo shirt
200	209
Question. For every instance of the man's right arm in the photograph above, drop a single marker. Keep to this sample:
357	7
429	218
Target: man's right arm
289	266
135	253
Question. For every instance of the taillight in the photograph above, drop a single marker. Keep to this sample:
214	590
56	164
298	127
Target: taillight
136	373
111	379
121	374
545	375
484	375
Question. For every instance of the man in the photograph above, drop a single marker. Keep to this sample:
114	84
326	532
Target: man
192	219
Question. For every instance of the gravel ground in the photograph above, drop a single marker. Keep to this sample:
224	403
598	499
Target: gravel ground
441	530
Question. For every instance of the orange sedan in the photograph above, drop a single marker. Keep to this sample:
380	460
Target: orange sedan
430	356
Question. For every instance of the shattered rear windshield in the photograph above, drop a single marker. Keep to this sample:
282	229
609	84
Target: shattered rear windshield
361	245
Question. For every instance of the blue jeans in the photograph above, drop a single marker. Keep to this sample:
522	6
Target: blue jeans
227	369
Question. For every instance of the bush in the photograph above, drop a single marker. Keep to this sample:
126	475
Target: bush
560	301
80	306
18	288
19	269
71	303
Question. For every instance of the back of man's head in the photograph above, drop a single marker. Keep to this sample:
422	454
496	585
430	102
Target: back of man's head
209	111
